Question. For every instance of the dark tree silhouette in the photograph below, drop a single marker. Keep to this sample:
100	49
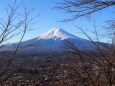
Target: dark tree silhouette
95	68
80	8
15	24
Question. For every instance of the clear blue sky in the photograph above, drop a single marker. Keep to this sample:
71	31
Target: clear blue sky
48	17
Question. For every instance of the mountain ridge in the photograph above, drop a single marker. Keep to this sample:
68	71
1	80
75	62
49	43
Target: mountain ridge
51	42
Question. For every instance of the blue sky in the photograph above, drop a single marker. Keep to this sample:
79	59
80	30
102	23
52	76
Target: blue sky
48	18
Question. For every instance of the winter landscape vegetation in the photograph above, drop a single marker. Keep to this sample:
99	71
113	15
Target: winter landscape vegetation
57	43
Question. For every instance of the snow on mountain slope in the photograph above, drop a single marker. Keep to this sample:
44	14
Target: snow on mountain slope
57	33
51	42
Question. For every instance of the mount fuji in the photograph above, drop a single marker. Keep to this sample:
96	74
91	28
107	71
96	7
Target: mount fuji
52	42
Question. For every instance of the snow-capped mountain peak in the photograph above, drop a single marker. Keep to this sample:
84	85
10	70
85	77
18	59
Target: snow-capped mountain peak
57	33
52	42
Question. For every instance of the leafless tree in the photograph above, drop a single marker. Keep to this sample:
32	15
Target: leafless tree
111	30
15	24
92	68
80	8
102	60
